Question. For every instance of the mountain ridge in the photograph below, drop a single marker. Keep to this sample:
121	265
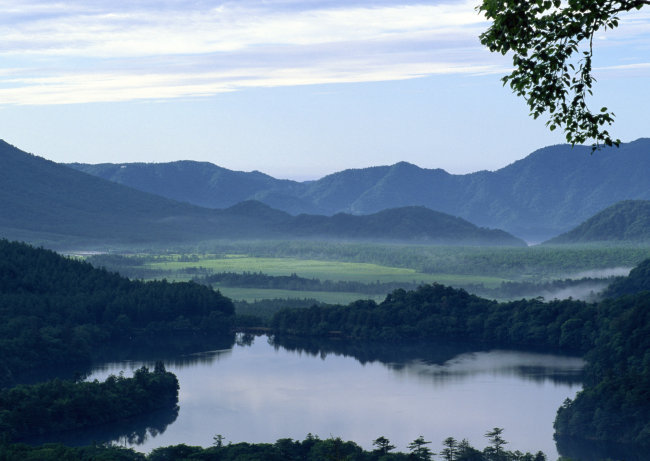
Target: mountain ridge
42	201
544	194
625	221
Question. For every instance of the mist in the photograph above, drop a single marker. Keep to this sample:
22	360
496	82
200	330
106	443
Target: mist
602	273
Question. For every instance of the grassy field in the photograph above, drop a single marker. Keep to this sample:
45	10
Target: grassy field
474	268
309	268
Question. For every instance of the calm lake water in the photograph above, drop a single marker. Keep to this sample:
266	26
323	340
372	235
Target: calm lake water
260	392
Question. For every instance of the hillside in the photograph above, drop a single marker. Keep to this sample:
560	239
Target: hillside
199	183
405	224
542	195
44	202
56	311
626	221
637	281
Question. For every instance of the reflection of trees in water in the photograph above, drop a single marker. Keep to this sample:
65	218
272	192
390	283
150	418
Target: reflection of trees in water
440	362
181	350
134	431
589	449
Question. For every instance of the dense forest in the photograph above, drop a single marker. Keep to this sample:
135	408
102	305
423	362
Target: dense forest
614	334
310	449
441	312
30	411
57	311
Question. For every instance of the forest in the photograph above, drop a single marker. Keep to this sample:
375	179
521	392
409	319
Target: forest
57	310
311	448
614	336
60	405
57	313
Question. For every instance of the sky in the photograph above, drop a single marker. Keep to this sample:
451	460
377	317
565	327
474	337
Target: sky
295	88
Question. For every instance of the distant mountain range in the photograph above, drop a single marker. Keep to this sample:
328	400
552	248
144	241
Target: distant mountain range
549	192
45	202
626	221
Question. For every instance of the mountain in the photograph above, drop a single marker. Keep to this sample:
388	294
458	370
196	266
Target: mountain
199	183
44	202
405	224
542	195
637	281
626	221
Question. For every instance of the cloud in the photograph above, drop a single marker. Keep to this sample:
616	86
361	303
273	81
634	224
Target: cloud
79	51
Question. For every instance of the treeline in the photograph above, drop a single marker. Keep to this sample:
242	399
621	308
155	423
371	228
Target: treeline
261	311
296	283
311	448
56	311
441	312
506	290
614	334
615	402
29	411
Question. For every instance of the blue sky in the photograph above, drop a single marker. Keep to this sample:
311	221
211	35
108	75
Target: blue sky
297	89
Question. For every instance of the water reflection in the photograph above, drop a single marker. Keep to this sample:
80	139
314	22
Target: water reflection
589	450
264	389
133	432
441	362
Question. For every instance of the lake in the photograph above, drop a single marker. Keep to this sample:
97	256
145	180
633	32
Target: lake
259	391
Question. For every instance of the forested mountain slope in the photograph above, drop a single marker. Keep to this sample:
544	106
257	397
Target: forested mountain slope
546	193
56	311
44	202
626	221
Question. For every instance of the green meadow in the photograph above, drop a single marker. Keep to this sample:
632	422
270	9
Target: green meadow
311	268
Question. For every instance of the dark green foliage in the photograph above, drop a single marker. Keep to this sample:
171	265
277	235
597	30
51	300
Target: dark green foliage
262	310
57	311
615	403
549	192
626	221
439	312
58	406
636	282
551	43
310	449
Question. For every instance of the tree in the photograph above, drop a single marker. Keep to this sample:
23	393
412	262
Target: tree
495	452
449	452
551	42
419	451
383	445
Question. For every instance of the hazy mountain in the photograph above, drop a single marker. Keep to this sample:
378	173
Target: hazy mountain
626	221
41	201
44	201
199	183
549	192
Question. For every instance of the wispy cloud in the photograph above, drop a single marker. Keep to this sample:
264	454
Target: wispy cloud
80	51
